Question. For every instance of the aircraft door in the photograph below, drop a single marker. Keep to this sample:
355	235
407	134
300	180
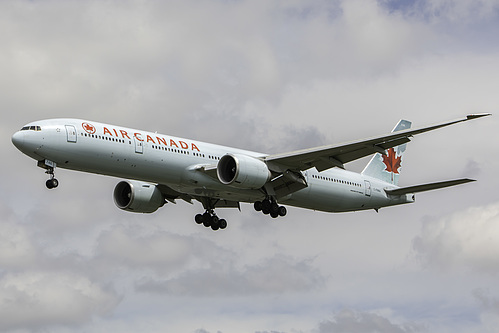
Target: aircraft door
368	188
71	133
139	146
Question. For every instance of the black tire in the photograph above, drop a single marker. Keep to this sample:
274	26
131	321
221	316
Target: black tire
52	183
258	206
222	224
215	225
274	214
198	218
266	206
206	219
282	211
274	209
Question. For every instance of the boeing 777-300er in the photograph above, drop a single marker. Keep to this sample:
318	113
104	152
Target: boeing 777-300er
162	168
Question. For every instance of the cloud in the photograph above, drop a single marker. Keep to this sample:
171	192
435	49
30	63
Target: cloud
467	239
124	245
365	322
451	10
486	300
276	275
35	299
16	247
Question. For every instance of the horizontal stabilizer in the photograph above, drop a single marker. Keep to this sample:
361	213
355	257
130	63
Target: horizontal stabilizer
427	187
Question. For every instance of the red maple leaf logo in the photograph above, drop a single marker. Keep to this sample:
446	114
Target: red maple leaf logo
391	161
89	128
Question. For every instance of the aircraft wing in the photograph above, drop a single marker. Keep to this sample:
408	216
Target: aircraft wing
171	195
326	157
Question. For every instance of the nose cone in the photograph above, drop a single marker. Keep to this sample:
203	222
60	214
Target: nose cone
18	140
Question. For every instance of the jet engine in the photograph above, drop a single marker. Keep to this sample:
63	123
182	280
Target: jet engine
242	171
138	197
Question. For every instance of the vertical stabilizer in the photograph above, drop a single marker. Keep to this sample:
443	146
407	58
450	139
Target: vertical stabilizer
387	167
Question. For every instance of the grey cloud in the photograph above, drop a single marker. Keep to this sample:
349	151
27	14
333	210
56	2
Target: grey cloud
365	322
487	301
32	300
472	168
451	10
276	275
147	252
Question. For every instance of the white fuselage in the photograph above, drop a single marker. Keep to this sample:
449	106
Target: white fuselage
161	159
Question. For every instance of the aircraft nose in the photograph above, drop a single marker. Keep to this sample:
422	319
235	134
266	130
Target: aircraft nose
18	139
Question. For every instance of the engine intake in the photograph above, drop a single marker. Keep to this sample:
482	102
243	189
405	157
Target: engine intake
242	171
138	197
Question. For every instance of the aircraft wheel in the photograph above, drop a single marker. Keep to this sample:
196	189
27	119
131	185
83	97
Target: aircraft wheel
258	206
274	209
274	214
215	225
222	223
206	219
266	204
199	218
52	183
282	211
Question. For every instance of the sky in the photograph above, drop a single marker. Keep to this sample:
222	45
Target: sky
269	76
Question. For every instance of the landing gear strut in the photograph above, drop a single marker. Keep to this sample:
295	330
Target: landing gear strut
50	167
270	206
210	219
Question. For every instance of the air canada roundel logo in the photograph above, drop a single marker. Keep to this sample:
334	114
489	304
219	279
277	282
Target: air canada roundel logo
89	128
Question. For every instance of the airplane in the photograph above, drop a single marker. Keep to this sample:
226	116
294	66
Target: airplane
160	168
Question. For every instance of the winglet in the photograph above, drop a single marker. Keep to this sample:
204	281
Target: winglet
477	115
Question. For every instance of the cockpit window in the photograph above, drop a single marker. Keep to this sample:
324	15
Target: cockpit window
31	128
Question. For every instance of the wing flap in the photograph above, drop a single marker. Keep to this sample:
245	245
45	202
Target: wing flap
427	187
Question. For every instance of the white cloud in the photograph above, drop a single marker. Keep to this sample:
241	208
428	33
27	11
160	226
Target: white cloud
467	239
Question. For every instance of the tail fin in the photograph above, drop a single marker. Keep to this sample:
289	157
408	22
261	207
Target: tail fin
387	167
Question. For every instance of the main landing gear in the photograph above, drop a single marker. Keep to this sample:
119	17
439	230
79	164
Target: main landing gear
270	206
210	219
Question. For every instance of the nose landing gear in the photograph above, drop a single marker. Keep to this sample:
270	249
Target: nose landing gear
50	167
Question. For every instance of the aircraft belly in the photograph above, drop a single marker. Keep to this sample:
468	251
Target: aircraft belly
149	166
329	198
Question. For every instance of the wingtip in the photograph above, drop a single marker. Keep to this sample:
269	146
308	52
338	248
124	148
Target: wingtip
477	115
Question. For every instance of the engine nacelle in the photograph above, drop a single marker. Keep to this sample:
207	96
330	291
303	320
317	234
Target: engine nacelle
242	171
138	197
